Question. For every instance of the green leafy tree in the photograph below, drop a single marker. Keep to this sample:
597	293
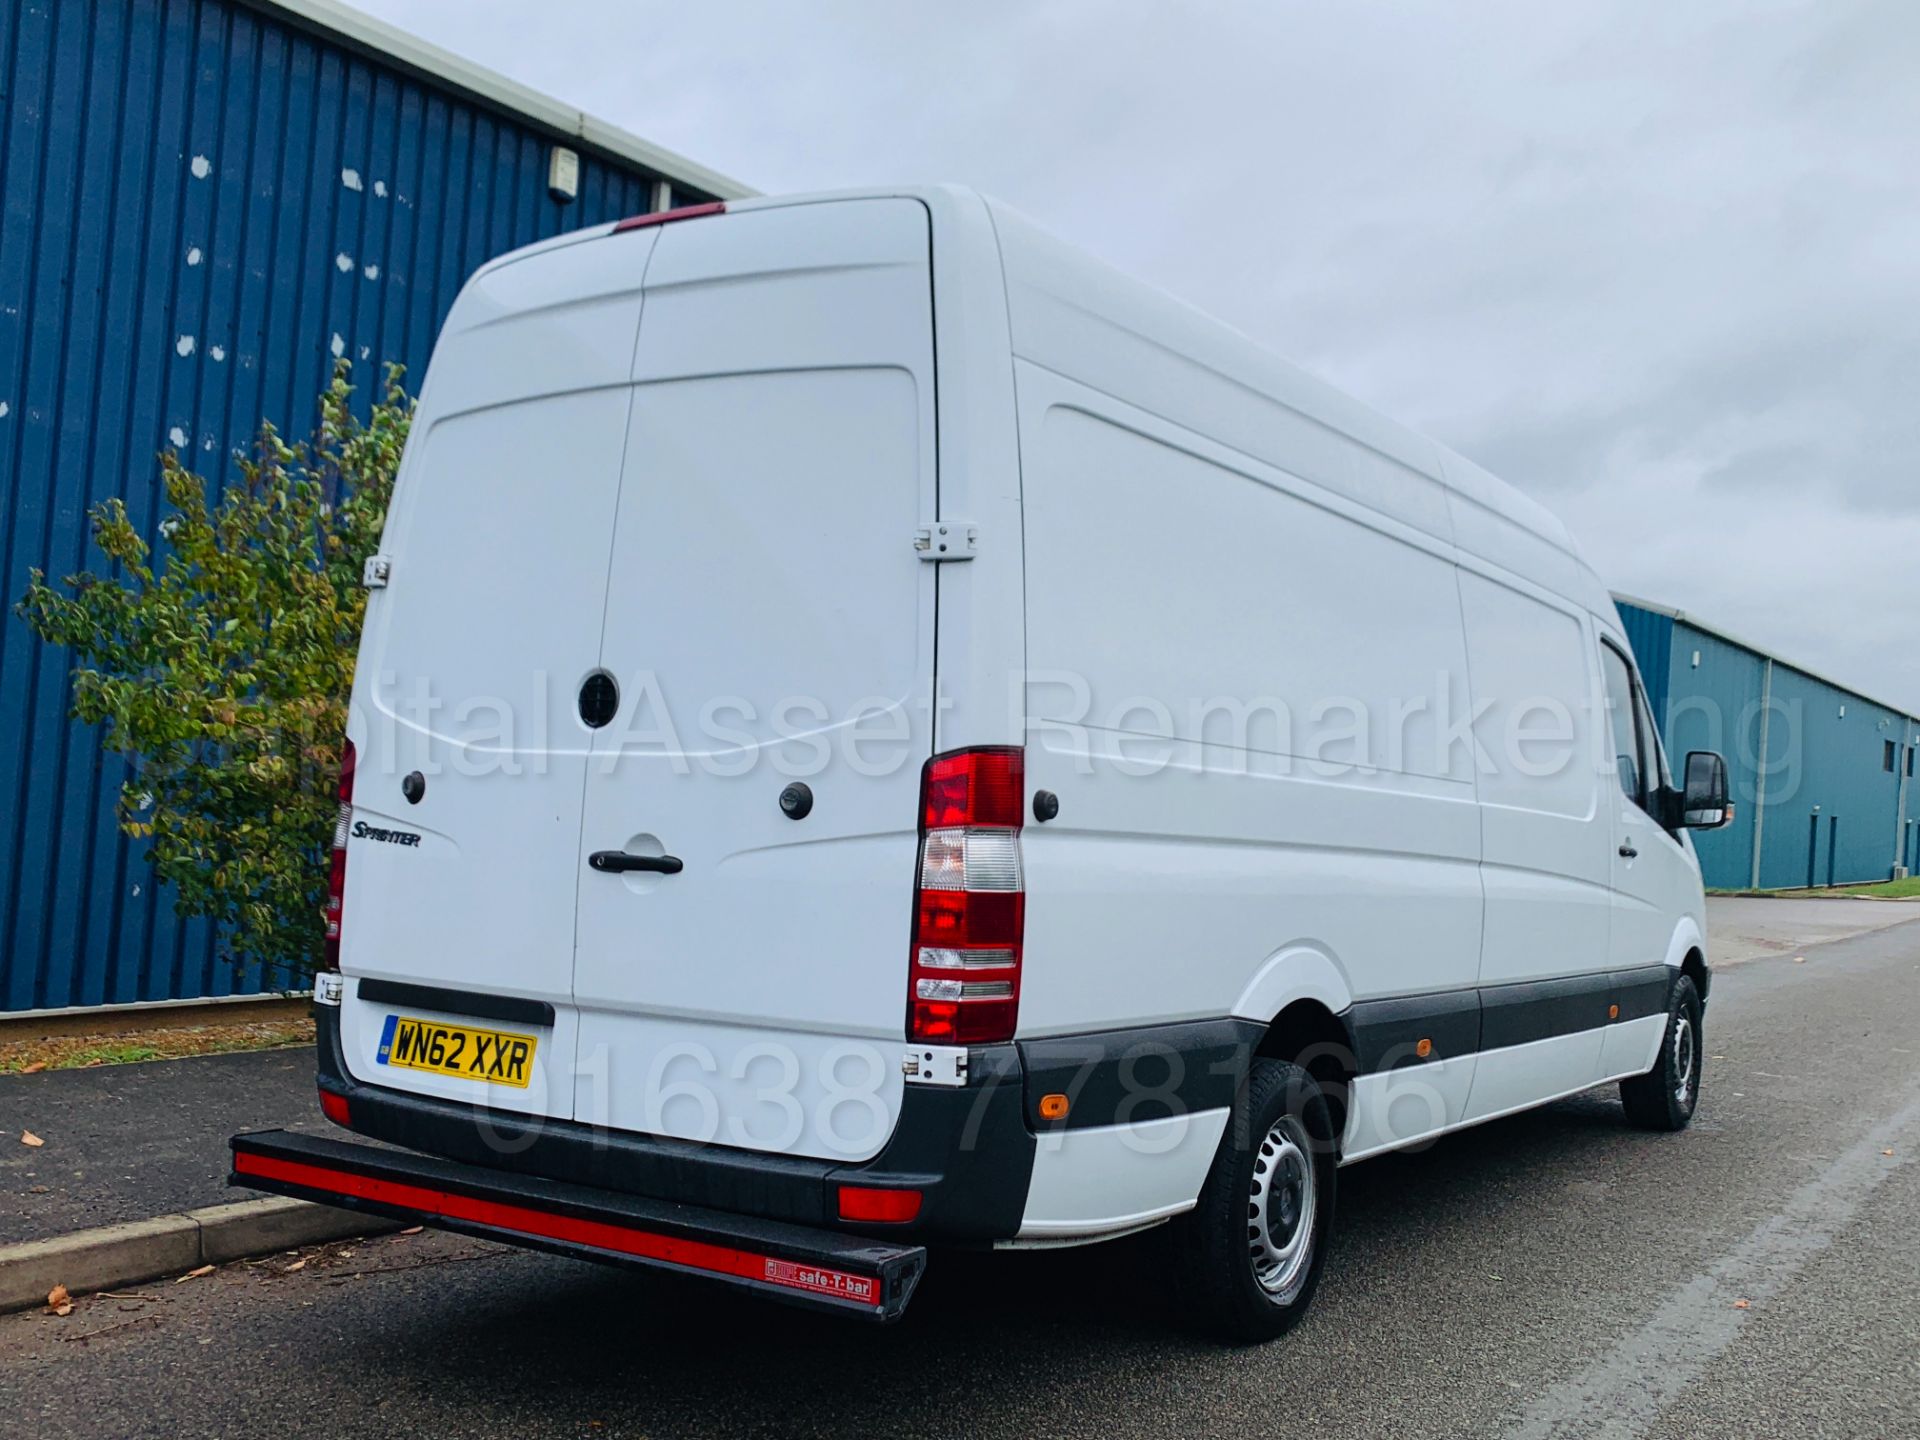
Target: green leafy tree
221	666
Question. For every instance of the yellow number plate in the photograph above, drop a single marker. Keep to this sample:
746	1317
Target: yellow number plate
457	1050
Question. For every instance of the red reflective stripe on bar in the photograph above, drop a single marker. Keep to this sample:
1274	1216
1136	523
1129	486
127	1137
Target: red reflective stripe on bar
662	217
622	1240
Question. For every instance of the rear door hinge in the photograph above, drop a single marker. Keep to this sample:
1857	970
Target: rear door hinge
377	571
947	540
935	1065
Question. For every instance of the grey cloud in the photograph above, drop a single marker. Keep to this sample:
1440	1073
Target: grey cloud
1659	265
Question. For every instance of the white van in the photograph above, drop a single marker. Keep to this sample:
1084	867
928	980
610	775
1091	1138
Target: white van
874	731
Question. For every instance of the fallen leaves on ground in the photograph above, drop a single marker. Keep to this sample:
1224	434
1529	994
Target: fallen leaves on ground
59	1302
194	1274
413	1230
297	1265
1743	1304
79	1052
1886	1152
27	1137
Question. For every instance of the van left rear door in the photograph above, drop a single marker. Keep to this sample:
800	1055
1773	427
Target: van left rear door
460	890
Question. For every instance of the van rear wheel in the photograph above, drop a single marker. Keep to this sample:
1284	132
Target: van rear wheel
1247	1258
1664	1098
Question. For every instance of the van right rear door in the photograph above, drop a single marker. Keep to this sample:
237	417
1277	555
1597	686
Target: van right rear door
769	623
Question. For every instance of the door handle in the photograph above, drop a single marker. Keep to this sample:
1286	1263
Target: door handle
1628	850
616	862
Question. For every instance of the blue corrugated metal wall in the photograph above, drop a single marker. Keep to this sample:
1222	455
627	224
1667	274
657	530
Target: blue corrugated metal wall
203	205
1816	755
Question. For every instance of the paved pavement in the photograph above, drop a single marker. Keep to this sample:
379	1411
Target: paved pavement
1746	927
1556	1274
126	1142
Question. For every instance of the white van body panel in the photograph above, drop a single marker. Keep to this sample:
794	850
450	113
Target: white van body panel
1109	1179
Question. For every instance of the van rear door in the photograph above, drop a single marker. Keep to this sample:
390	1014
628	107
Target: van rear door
470	663
768	623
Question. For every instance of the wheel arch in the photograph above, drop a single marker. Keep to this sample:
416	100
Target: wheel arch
1302	998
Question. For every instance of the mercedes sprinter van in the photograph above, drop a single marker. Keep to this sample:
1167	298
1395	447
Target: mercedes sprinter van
876	733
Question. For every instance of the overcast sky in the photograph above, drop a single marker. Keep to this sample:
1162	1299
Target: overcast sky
1657	264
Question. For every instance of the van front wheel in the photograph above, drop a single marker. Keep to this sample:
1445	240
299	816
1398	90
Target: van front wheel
1664	1097
1247	1258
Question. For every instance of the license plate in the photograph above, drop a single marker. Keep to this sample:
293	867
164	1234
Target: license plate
458	1050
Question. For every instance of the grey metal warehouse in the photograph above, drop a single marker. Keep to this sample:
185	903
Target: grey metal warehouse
205	202
1822	776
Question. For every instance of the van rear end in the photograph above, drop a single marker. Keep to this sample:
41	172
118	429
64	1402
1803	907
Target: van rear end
655	879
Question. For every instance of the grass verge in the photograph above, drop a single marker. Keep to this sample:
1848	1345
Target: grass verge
79	1052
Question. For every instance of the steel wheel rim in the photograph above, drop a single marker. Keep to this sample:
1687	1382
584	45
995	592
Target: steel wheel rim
1684	1054
1281	1210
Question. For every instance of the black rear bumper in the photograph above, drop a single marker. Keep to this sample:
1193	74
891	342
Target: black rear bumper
821	1269
967	1150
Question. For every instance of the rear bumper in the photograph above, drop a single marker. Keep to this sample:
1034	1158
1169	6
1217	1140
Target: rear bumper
846	1274
968	1151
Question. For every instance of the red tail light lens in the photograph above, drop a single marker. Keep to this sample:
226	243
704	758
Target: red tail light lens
337	862
974	787
970	903
334	1107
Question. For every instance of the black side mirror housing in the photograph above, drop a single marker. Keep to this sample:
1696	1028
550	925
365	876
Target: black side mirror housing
1702	801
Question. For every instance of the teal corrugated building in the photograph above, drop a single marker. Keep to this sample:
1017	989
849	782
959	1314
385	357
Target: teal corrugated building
1822	776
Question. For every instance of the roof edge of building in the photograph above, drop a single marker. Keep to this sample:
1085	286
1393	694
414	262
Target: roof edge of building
363	32
1654	607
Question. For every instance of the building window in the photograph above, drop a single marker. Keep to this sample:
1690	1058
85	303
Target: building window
1886	760
1910	750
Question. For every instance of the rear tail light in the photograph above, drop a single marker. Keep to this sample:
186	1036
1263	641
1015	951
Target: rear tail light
970	904
337	863
334	1107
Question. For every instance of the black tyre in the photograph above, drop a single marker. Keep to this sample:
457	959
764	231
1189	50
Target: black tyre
1246	1260
1664	1098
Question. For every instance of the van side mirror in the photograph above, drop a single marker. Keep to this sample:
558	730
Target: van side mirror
1703	801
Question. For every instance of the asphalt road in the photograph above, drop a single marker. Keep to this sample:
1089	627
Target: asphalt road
1554	1274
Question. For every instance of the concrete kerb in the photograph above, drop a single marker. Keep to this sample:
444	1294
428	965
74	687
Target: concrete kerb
139	1251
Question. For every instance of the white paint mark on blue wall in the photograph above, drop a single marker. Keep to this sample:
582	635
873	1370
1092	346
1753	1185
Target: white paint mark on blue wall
350	179
193	255
184	345
201	167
